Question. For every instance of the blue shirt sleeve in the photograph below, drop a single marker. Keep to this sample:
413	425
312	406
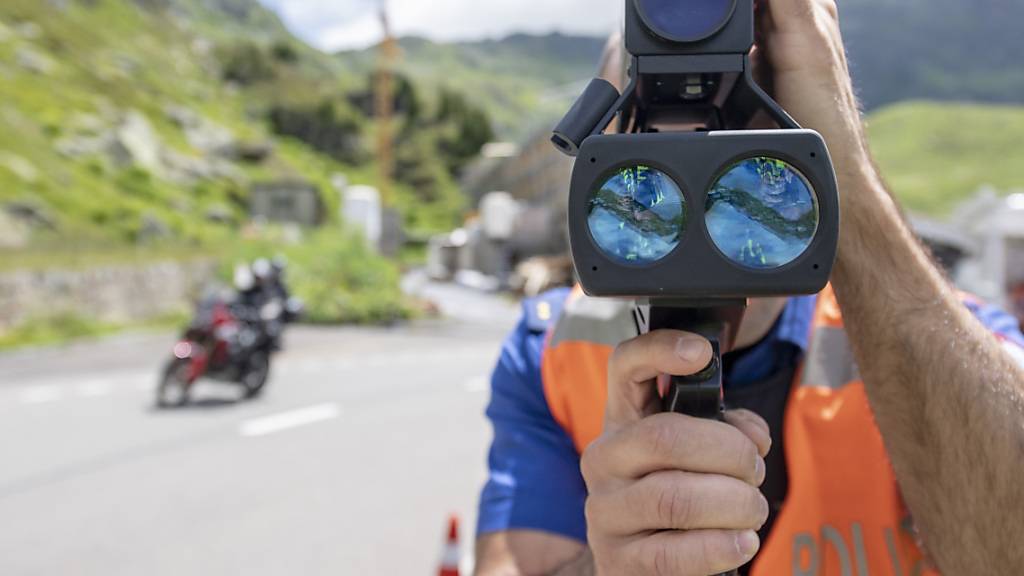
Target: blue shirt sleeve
1005	326
534	480
1000	322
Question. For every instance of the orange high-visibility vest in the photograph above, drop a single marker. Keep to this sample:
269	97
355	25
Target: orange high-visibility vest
843	513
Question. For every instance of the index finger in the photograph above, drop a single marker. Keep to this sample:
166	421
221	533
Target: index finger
636	363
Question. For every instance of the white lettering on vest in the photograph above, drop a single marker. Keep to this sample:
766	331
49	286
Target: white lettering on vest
804	541
807	552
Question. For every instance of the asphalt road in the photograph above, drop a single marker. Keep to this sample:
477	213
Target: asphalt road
365	441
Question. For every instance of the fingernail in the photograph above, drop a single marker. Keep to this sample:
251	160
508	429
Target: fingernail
747	543
759	470
691	348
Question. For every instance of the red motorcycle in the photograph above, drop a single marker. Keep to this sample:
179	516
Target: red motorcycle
226	341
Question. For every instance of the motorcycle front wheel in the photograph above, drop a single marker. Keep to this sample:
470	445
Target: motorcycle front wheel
174	385
256	374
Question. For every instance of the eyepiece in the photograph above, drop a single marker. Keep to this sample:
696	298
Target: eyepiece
584	116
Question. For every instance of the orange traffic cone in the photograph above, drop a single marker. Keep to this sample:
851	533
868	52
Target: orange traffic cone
450	556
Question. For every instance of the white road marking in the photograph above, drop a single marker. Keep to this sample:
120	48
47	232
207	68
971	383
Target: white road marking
342	364
312	366
292	419
40	395
479	384
93	389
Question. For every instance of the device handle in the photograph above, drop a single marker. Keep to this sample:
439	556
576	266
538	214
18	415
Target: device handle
699	395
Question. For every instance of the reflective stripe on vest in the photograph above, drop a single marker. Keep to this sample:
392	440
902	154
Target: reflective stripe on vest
843	514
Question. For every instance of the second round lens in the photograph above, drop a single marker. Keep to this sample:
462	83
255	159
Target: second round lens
762	213
637	215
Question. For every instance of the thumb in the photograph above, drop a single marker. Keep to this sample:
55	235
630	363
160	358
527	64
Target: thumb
636	364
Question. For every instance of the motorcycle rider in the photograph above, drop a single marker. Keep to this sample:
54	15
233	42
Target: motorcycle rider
268	299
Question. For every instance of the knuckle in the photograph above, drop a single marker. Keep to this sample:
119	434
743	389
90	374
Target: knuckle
592	513
710	553
624	352
746	456
590	462
763	509
661	564
755	507
595	461
831	8
662	434
675	507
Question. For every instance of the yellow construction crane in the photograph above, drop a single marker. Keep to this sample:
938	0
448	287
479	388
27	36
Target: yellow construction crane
384	106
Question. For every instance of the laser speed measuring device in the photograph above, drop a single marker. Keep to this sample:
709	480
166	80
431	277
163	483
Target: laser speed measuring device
676	202
682	201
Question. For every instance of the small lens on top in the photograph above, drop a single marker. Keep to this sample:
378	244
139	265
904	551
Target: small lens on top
685	20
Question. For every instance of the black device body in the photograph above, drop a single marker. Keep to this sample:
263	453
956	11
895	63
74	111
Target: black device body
696	269
686	115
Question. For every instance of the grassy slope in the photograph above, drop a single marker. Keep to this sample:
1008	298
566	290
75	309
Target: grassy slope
934	155
524	82
92	201
110	57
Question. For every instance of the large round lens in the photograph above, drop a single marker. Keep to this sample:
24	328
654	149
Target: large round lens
762	213
637	216
685	20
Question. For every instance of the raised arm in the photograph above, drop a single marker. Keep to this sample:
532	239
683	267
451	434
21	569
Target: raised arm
948	396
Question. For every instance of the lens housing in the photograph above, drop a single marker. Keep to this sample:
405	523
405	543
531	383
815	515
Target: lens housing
685	21
761	213
637	215
697	267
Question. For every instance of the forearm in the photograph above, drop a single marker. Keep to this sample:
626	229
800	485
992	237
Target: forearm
948	399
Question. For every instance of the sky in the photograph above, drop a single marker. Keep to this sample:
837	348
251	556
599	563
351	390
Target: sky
343	24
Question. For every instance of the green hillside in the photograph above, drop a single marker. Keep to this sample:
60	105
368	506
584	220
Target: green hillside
955	50
936	154
147	121
523	81
949	50
142	122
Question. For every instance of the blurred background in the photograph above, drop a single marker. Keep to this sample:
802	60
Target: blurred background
257	257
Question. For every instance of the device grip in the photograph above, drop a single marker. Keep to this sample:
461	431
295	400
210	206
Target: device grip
699	395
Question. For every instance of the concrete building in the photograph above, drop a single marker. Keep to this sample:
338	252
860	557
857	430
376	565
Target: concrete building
287	202
537	176
995	271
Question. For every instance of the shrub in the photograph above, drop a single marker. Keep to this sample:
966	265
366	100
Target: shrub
284	52
327	127
245	64
335	274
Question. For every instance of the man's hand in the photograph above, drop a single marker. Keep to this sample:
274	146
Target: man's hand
800	51
671	494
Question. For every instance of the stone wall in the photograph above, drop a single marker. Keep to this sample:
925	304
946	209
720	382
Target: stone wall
122	293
